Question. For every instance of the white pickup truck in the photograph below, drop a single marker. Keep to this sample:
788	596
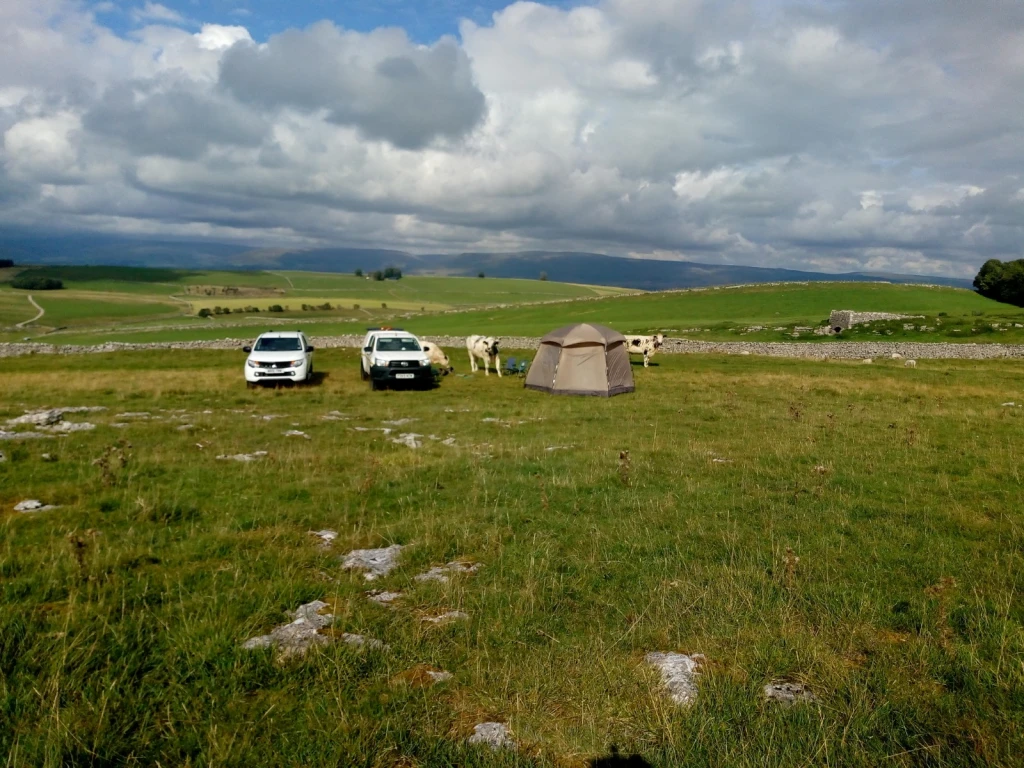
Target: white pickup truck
393	356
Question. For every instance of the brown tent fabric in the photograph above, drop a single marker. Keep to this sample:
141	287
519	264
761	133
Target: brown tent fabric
582	359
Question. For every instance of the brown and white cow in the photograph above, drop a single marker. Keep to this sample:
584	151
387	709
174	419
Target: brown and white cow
437	357
645	345
484	348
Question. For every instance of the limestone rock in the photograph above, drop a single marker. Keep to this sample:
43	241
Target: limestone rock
376	562
679	673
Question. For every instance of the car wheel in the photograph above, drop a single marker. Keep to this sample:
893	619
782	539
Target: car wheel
362	372
376	385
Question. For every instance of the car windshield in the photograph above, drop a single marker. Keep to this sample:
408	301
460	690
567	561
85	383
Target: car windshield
398	345
278	344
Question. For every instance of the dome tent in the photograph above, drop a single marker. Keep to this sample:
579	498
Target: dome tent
582	359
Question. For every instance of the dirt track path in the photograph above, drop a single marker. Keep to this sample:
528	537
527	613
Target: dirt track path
41	313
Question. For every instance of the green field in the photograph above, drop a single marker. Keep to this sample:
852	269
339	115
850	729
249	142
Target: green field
725	314
100	302
124	610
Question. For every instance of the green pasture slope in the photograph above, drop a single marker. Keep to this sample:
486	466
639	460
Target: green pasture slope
724	311
725	314
99	300
124	610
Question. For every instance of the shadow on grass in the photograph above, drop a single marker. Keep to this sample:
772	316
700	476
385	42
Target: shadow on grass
616	760
316	380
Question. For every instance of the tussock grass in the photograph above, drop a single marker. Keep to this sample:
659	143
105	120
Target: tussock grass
898	491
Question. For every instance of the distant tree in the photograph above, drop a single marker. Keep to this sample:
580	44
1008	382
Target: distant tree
544	276
383	305
392	273
481	274
275	308
378	275
36	283
205	312
1002	281
4	263
358	273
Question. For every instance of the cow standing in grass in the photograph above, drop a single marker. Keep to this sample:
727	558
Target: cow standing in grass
645	345
484	348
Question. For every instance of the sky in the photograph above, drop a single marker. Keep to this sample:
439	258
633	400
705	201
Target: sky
812	134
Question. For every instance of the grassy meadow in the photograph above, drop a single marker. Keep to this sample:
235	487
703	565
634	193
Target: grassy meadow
858	529
99	301
141	305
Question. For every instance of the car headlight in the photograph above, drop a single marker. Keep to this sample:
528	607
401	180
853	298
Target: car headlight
252	363
380	361
296	363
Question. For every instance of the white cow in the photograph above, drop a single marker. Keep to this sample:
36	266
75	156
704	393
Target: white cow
437	357
644	345
484	348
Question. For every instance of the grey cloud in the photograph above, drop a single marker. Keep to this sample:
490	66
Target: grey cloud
180	121
379	83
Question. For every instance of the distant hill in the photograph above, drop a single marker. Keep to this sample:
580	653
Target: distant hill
570	267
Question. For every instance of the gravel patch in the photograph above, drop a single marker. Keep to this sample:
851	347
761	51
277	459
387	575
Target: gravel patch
493	735
376	562
679	674
789	694
443	573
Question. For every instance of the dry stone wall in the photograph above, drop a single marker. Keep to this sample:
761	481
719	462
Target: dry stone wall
844	319
455	347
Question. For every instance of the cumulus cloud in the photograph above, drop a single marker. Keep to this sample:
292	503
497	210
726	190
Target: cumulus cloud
380	82
848	135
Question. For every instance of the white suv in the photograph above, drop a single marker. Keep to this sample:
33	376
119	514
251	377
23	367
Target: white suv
279	356
390	356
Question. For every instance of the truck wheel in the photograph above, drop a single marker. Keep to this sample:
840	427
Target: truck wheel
362	372
375	385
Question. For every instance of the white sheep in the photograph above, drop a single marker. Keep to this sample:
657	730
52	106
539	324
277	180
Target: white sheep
910	364
867	361
896	356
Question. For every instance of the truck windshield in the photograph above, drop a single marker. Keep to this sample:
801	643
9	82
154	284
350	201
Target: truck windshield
278	344
398	345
